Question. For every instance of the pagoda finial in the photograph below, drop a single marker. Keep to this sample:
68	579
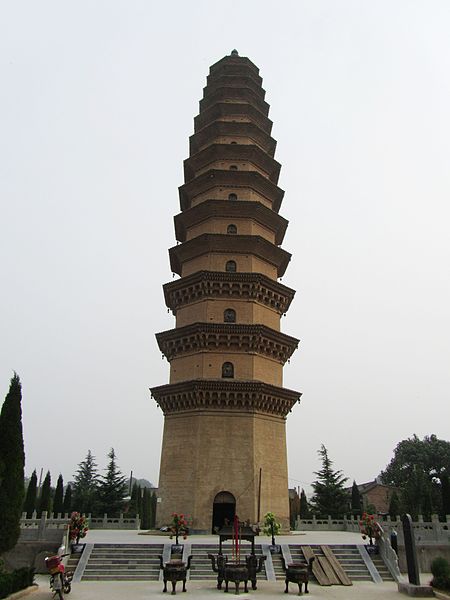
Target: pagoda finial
234	53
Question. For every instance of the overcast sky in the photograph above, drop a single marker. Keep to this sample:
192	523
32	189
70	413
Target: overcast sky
97	101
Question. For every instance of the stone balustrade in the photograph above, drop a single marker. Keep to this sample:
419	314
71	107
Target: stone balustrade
425	531
49	528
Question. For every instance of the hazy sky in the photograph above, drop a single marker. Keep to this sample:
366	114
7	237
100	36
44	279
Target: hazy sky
97	103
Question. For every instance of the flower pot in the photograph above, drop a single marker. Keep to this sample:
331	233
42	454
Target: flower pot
77	548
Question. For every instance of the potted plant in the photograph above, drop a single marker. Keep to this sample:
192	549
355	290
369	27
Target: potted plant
178	527
271	527
370	528
78	528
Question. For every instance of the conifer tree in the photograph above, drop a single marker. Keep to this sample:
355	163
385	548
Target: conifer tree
29	504
45	497
67	504
12	461
445	492
58	507
154	503
146	509
305	510
394	505
134	500
112	488
85	486
330	497
356	499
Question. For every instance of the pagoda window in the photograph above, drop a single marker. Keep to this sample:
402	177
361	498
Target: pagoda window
229	315
230	267
232	196
233	168
231	228
233	142
228	370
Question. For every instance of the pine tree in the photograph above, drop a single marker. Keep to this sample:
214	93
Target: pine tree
58	507
330	497
85	486
356	499
112	488
394	505
305	510
12	461
67	504
29	504
45	497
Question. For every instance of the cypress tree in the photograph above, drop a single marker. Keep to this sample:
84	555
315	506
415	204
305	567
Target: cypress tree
12	461
112	488
67	503
30	499
356	499
445	492
146	509
154	502
45	499
58	501
305	510
394	505
135	500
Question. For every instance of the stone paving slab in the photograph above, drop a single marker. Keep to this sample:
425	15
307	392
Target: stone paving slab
95	590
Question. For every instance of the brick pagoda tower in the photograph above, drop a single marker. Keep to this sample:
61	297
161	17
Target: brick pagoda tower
224	442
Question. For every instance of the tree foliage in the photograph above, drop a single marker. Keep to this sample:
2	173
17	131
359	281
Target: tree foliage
394	505
356	499
294	507
45	497
305	509
85	486
112	488
12	461
29	504
330	497
58	507
417	469
67	503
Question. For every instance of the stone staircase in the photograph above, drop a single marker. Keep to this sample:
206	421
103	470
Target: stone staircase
124	562
347	555
382	568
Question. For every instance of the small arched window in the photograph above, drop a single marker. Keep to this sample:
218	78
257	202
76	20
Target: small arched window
230	267
229	315
231	228
232	196
233	168
233	142
227	369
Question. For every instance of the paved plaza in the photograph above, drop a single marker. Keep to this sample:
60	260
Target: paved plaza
142	590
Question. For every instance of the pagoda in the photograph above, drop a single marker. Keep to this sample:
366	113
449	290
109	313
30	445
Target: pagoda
225	407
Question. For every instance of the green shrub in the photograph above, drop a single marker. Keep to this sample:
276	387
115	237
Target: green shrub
440	568
5	585
15	581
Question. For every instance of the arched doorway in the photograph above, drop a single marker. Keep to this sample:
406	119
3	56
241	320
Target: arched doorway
224	509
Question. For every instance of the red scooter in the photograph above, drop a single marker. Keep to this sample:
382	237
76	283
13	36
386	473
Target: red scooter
60	580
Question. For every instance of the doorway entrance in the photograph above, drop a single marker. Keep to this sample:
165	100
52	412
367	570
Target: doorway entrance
224	509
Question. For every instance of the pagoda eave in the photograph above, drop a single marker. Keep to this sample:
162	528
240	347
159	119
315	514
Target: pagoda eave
232	152
234	180
233	210
200	395
202	285
230	337
210	243
232	129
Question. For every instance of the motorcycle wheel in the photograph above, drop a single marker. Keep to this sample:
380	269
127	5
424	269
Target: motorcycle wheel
67	587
